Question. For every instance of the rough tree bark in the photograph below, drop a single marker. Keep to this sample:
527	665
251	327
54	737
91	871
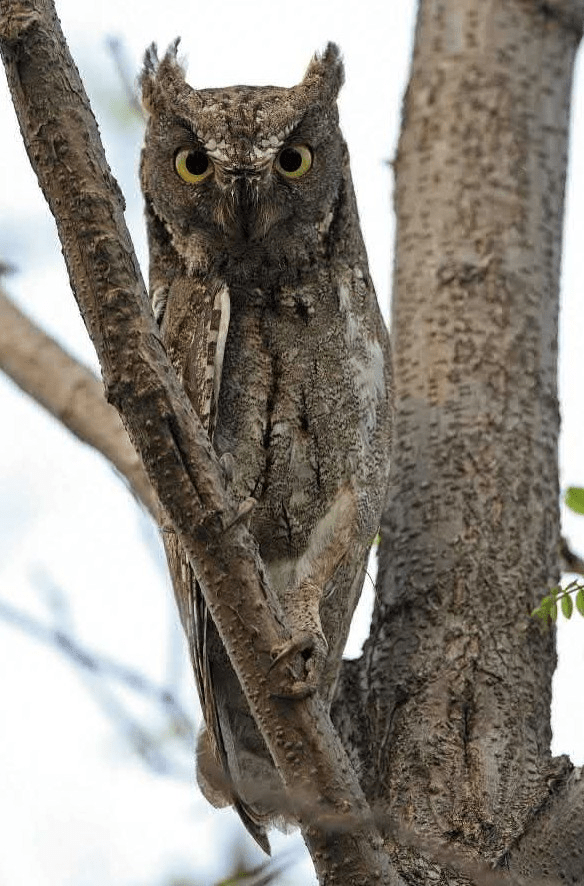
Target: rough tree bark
455	683
446	715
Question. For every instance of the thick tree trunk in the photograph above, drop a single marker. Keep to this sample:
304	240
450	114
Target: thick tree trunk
459	674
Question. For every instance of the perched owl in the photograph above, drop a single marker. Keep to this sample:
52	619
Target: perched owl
259	280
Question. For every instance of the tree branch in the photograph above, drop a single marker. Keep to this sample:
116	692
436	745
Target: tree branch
552	848
62	140
458	675
571	562
71	393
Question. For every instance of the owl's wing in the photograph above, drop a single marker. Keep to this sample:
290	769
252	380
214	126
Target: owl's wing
197	626
194	321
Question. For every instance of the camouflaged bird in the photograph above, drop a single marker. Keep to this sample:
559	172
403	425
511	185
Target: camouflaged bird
260	283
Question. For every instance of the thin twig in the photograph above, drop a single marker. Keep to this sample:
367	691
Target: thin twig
98	663
570	561
117	51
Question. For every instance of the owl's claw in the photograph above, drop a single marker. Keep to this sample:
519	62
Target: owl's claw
227	463
304	655
244	510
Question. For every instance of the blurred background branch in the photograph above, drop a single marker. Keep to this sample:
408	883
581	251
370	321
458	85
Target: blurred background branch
71	393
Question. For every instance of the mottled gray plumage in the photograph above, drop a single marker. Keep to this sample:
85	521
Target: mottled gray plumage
259	278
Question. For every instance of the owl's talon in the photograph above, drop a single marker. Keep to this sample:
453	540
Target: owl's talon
244	510
312	649
227	463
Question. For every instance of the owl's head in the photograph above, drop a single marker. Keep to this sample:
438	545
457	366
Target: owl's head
242	171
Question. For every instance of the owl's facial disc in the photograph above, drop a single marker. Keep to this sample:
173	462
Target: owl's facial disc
244	204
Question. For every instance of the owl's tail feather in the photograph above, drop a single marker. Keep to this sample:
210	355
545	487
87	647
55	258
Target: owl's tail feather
253	827
213	771
217	786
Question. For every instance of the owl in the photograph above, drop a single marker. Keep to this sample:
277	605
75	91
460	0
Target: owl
259	281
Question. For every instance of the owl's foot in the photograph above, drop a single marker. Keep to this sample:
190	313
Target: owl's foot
243	514
299	664
227	463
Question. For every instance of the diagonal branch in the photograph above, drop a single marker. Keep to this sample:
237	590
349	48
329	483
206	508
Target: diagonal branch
71	393
62	140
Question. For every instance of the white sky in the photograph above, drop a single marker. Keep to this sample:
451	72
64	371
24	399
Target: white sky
76	806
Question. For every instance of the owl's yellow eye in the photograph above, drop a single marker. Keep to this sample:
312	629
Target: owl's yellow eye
192	165
294	161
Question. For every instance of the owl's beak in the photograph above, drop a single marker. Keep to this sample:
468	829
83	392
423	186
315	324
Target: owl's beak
241	187
241	172
230	176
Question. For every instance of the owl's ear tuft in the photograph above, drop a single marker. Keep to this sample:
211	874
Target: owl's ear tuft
159	79
325	73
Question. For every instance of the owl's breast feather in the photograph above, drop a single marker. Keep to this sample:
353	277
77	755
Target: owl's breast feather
298	409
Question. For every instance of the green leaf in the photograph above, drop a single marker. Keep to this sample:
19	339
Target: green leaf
580	601
567	606
553	610
574	499
543	610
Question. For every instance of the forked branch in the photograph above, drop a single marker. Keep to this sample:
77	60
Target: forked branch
62	140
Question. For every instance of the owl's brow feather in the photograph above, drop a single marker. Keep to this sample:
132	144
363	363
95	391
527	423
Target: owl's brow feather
188	127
